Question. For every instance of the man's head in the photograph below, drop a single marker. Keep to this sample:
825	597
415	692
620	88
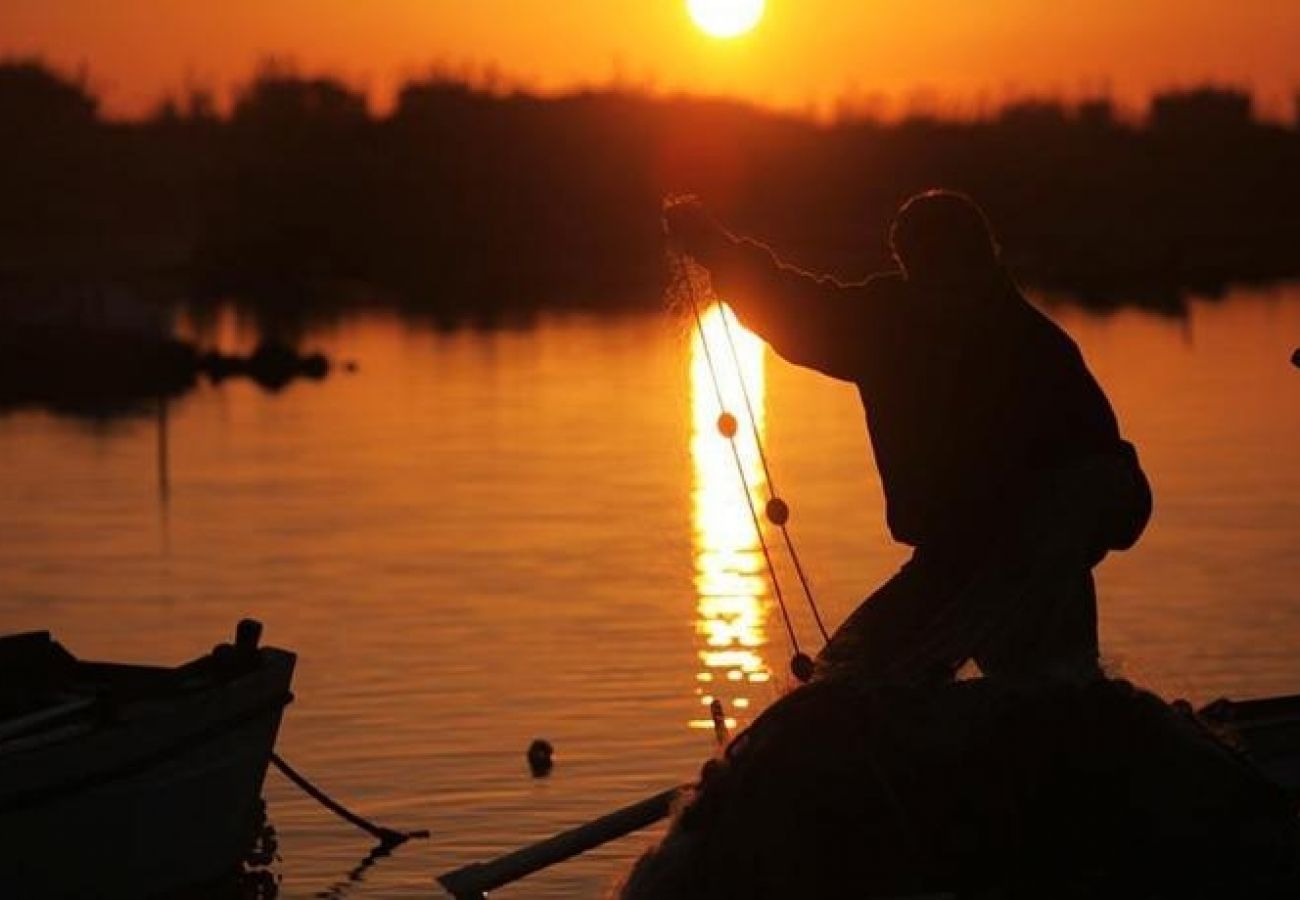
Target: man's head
941	237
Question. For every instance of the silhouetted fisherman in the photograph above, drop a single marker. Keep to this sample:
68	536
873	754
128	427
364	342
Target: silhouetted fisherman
1000	457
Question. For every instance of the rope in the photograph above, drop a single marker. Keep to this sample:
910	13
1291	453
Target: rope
735	453
801	664
387	837
774	494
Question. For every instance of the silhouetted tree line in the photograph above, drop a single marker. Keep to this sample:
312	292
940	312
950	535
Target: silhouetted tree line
465	198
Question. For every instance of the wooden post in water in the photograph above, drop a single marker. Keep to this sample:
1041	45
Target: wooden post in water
474	881
719	722
164	466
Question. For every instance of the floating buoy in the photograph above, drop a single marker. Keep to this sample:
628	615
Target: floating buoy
778	511
727	425
541	758
802	667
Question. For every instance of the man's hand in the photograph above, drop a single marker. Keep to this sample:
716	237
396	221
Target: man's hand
694	231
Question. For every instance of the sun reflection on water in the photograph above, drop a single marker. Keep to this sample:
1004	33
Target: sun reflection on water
732	592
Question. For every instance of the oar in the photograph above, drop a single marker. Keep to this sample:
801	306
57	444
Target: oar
474	881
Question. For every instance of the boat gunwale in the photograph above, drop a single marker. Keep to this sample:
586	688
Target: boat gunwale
274	662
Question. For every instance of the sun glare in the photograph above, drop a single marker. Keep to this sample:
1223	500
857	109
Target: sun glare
726	18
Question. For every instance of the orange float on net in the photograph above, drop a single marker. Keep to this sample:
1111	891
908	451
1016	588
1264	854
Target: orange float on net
727	425
778	511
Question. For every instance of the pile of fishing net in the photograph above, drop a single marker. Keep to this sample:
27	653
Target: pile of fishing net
976	789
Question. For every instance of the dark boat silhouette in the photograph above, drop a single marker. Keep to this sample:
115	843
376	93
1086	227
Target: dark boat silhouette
89	351
976	790
132	781
98	351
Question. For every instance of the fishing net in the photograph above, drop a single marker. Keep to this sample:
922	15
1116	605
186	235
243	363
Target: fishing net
977	788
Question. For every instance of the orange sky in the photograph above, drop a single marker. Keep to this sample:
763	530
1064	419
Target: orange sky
806	51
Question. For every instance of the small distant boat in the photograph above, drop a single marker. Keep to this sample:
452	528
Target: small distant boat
99	351
91	352
132	781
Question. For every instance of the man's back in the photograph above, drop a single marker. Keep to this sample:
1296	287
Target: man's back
963	412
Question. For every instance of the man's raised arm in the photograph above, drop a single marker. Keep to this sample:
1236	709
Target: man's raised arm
813	321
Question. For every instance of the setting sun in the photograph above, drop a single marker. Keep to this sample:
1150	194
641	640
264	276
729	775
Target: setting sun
726	18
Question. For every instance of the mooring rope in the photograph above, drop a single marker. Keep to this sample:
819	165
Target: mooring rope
801	665
387	837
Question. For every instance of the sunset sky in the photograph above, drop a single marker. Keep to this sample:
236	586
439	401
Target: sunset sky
804	51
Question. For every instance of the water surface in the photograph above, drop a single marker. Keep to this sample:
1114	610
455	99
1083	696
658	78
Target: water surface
492	534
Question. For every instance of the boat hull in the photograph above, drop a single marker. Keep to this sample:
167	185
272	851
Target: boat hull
167	798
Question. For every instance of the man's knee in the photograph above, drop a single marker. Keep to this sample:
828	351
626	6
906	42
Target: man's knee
882	635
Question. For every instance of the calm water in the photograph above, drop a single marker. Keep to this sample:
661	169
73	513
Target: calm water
484	536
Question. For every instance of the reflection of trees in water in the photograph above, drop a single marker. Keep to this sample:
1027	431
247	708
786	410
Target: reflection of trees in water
467	199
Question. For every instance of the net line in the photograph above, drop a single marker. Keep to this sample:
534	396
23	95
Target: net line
777	510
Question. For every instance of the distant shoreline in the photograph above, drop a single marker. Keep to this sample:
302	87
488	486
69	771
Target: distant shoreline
463	200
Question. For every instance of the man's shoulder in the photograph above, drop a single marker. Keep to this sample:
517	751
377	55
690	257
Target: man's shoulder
889	285
1036	331
1034	316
